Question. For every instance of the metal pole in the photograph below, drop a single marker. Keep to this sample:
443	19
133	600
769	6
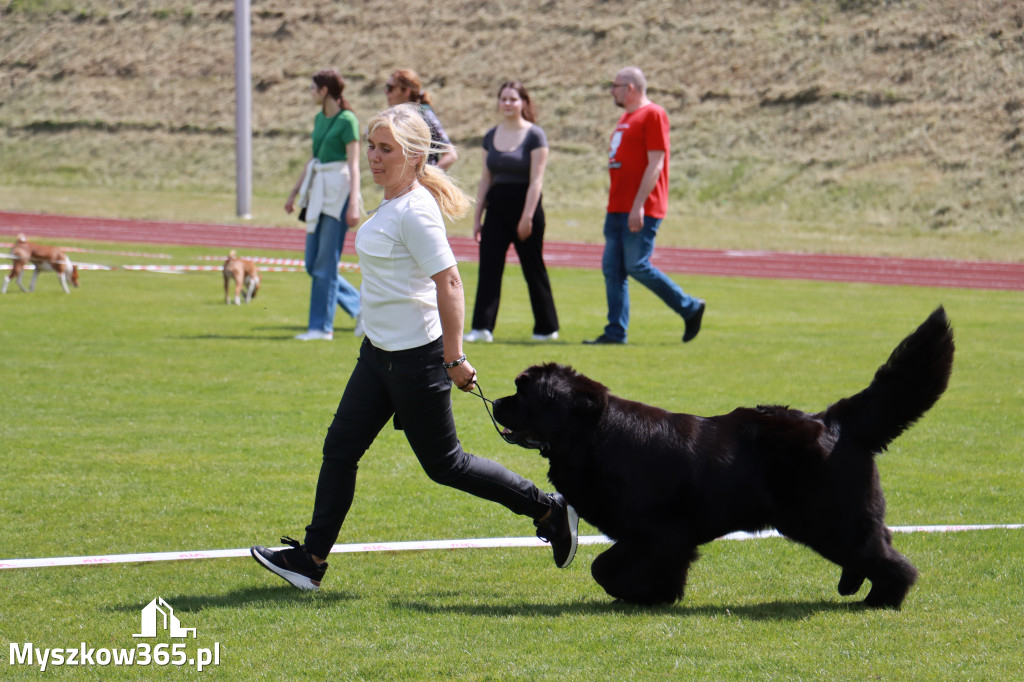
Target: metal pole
243	109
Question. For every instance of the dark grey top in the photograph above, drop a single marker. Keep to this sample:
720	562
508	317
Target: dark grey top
513	166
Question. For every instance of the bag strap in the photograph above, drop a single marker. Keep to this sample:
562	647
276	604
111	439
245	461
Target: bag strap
316	151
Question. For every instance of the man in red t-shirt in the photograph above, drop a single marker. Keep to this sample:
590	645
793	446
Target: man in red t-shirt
638	161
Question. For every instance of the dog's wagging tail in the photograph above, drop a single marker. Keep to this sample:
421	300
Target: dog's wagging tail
660	484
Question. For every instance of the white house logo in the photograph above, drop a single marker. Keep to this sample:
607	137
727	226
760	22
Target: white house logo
158	620
159	613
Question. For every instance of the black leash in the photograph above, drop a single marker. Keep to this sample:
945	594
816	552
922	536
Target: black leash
488	404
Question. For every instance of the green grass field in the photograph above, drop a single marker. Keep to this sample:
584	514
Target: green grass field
141	414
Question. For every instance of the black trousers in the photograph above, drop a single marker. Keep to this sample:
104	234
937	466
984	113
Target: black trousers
412	386
504	207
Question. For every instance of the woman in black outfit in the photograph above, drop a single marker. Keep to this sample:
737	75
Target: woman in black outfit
515	155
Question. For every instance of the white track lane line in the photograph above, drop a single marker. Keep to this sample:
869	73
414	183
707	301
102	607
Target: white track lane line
474	543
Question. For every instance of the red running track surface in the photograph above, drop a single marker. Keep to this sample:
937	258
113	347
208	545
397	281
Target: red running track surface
725	263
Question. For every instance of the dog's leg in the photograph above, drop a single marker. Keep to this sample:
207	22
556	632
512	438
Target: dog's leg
872	558
891	577
32	285
890	582
17	268
7	280
64	271
651	572
251	282
227	290
850	581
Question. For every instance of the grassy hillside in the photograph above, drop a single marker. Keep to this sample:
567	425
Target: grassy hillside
851	125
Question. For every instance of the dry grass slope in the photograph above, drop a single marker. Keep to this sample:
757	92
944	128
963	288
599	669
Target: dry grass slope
897	114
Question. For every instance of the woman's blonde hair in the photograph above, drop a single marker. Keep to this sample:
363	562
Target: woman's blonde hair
411	132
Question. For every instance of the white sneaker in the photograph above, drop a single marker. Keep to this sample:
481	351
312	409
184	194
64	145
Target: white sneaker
478	335
360	329
553	336
315	335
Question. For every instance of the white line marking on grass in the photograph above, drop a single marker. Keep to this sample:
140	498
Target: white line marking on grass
420	545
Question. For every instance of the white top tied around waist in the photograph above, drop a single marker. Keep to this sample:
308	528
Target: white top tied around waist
324	189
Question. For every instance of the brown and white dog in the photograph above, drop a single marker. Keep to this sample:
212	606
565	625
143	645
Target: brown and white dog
244	274
42	258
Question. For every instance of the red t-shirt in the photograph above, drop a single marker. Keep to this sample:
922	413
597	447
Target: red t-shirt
646	129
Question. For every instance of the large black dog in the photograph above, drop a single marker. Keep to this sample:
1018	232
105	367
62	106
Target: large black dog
659	484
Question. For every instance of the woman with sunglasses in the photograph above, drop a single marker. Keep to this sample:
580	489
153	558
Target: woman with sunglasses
404	86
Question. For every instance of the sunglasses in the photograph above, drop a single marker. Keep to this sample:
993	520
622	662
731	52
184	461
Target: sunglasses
388	87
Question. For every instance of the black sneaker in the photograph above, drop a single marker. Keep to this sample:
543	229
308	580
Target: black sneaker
560	530
602	341
295	565
693	323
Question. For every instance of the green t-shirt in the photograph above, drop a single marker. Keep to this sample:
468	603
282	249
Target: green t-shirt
344	130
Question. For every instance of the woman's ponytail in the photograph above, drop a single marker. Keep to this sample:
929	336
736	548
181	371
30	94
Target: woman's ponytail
412	134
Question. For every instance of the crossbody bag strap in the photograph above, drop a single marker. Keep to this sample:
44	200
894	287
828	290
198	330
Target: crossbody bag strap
316	152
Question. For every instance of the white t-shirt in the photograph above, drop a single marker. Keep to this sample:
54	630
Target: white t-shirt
400	247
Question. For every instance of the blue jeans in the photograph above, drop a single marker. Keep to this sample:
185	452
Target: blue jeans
628	254
323	252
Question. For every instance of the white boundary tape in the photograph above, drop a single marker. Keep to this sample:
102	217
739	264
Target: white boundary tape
475	543
75	249
287	265
342	265
195	268
81	266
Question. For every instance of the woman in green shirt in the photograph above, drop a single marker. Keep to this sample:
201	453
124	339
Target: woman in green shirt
328	193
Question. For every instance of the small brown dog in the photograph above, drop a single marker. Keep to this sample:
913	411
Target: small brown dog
244	274
42	258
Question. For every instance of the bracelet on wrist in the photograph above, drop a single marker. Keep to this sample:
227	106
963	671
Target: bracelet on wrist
454	363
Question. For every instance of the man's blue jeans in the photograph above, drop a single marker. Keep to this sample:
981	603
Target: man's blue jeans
628	254
323	252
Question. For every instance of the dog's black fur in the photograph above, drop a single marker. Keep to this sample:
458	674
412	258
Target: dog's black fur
661	484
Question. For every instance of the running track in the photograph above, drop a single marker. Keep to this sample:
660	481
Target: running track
765	264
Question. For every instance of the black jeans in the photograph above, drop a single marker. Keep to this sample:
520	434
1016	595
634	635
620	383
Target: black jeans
412	386
504	207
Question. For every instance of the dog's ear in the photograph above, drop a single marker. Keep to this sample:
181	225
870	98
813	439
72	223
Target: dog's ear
580	400
547	393
590	404
589	398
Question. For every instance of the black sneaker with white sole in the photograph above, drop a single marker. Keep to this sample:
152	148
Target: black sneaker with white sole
295	565
560	529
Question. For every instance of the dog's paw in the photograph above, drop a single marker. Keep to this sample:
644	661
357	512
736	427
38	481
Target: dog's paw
884	599
850	582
